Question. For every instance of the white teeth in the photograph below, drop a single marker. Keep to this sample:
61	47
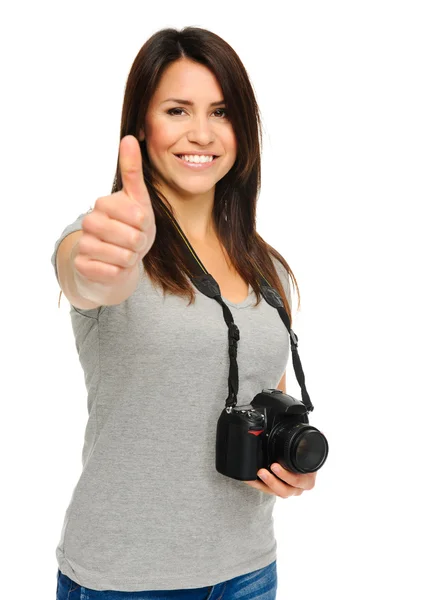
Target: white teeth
196	158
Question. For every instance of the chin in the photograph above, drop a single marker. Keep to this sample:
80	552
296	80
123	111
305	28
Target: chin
195	190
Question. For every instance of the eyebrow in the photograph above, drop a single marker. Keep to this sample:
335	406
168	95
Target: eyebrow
189	103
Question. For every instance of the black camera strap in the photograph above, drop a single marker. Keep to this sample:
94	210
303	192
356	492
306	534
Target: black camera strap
207	285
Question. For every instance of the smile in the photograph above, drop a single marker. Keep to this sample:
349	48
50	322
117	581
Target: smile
196	165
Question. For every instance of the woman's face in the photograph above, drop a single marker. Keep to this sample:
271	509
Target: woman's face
174	127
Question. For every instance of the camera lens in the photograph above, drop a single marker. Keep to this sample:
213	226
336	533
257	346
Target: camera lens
303	448
309	451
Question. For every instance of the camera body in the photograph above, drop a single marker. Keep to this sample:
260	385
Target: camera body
273	428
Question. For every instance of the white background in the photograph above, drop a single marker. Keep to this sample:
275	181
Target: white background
345	90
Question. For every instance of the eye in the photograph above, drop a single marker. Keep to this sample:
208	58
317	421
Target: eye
223	110
170	111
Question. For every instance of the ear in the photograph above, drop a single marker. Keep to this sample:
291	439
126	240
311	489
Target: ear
141	135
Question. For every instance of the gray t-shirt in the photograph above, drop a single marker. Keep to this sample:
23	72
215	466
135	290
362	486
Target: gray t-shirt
150	511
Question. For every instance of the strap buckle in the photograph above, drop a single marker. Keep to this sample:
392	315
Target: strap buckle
234	337
234	334
294	337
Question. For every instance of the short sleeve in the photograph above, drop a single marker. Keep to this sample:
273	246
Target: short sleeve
75	226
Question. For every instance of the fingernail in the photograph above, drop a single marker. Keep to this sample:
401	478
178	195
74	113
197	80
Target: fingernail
276	468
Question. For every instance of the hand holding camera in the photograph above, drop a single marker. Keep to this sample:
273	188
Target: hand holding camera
282	482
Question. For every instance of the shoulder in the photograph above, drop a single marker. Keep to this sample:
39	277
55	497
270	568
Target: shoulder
284	276
280	268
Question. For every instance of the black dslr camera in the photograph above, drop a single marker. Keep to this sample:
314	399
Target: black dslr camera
273	428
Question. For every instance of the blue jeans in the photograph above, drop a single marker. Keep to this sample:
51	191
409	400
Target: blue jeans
257	584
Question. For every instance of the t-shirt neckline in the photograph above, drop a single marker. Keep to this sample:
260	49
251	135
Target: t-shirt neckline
246	302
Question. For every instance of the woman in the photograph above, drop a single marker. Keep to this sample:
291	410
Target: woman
150	516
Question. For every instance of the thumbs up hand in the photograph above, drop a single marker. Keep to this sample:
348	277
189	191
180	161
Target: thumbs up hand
118	232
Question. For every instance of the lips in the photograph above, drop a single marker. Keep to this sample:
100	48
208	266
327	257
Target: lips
196	154
196	166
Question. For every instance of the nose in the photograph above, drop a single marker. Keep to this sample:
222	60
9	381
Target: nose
201	131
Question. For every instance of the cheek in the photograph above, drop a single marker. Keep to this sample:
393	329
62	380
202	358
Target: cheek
231	146
158	140
231	141
159	136
158	147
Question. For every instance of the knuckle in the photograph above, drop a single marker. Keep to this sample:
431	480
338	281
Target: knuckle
139	214
99	204
145	222
296	480
135	239
113	271
85	243
80	264
142	241
129	258
86	220
110	272
90	223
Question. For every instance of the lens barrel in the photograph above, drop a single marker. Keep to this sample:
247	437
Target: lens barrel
303	448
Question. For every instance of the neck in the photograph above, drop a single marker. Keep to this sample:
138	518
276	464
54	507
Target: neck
194	215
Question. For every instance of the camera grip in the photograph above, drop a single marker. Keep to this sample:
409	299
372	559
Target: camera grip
239	444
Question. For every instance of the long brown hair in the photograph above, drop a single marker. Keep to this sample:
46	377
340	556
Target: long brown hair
235	194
